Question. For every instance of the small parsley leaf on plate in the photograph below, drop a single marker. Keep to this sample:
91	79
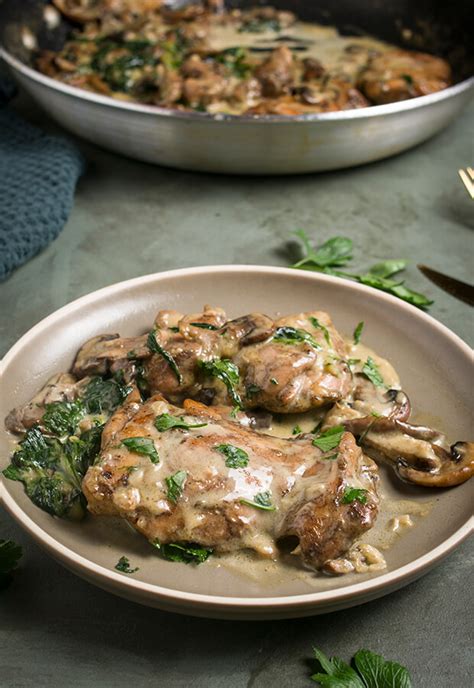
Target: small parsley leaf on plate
175	485
329	439
371	370
262	500
165	422
142	445
123	565
235	457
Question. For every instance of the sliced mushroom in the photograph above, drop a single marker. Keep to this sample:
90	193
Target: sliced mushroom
96	356
419	454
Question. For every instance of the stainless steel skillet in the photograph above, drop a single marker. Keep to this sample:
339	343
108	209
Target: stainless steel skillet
259	144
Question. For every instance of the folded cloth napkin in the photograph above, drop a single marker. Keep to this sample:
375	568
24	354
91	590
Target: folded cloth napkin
38	175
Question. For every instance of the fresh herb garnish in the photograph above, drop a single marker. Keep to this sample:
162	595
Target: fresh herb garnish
185	553
296	430
407	78
142	445
291	335
156	348
329	439
165	422
273	381
10	554
319	326
235	456
204	326
358	332
123	565
371	371
175	484
337	252
228	373
262	500
371	671
354	494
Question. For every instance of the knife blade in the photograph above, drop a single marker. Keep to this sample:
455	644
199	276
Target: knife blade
460	290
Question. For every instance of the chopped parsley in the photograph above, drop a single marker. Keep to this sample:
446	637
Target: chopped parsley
142	445
372	372
329	439
10	554
262	500
371	671
354	494
319	326
358	332
165	422
228	373
204	326
156	348
184	553
296	430
291	335
235	457
175	485
123	565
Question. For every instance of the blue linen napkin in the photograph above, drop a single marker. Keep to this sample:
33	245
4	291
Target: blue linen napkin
38	175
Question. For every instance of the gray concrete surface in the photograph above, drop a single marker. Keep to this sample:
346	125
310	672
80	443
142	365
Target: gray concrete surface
131	219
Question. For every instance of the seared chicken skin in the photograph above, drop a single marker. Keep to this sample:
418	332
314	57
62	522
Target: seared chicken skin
288	365
276	491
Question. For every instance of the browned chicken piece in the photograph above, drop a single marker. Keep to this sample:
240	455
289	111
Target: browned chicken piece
399	74
285	375
225	487
289	365
203	82
276	73
61	387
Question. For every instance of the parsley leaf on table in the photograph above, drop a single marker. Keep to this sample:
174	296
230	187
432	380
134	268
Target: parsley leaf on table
371	671
336	252
10	554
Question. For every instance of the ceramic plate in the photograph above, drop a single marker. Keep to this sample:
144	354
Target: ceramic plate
435	367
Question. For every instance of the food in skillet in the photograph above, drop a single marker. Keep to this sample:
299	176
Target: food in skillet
207	58
127	432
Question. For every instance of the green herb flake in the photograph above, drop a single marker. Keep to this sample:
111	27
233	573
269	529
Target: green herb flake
235	456
273	381
262	500
166	422
183	553
227	372
123	565
175	485
204	326
156	348
408	79
296	430
358	332
371	671
291	335
142	445
329	439
371	371
10	555
354	494
62	417
319	326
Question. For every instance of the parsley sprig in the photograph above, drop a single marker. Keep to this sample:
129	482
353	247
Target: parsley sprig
10	554
227	372
142	445
337	252
370	671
